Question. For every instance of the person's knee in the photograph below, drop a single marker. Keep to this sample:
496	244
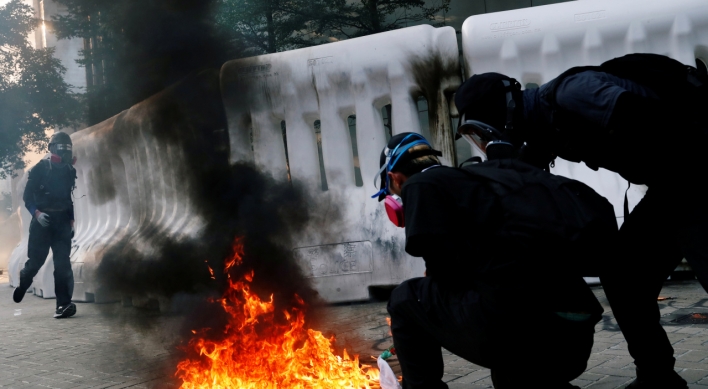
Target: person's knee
62	268
402	295
64	272
578	344
30	269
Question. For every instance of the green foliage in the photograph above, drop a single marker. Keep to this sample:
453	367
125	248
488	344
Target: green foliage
33	95
136	48
269	26
350	19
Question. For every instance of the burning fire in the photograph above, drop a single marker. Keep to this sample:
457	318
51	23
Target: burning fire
257	351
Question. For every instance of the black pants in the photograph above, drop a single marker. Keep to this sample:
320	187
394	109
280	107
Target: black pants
668	224
56	236
518	345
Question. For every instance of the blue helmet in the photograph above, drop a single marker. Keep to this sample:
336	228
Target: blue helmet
395	153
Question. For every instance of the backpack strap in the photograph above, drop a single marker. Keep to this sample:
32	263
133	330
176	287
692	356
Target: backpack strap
475	159
509	174
47	169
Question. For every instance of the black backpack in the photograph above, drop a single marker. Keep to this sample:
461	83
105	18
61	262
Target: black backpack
567	212
681	86
682	92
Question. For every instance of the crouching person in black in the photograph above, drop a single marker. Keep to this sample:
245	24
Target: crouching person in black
502	287
614	116
48	198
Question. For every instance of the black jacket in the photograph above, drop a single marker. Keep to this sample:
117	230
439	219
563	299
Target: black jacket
49	188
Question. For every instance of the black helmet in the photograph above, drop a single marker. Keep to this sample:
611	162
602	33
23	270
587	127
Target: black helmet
60	138
60	144
487	104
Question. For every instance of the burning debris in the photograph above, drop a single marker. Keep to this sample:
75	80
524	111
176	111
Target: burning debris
692	318
260	347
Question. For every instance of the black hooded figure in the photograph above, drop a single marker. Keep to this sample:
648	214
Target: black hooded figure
481	262
48	198
649	134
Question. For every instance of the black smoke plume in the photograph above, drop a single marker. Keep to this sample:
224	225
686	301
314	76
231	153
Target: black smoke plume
155	268
232	200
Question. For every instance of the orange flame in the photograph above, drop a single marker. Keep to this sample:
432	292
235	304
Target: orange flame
258	352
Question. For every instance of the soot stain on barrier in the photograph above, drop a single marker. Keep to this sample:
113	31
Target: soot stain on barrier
104	187
437	78
430	73
234	200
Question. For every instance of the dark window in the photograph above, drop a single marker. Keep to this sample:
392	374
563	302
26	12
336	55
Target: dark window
285	145
323	176
351	122
423	118
386	116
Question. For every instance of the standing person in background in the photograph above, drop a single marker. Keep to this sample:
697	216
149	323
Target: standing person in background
48	198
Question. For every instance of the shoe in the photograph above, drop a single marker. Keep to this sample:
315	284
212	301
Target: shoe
65	311
19	294
669	381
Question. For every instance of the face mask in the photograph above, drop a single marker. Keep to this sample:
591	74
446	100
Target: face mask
394	210
393	203
57	159
63	151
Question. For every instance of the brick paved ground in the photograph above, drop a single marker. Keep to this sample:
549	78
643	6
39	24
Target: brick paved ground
94	350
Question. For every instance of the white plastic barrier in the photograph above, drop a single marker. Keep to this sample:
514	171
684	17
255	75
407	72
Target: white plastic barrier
330	83
129	178
536	44
127	187
19	254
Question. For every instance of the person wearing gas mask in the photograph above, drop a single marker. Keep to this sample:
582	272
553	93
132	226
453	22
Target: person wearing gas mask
619	116
499	289
48	198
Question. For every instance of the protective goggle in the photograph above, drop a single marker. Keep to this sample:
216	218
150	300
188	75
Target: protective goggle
63	146
393	156
478	133
483	135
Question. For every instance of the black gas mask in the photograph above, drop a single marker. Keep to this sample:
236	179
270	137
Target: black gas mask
60	145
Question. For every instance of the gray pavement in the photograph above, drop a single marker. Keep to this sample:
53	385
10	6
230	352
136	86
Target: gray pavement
96	349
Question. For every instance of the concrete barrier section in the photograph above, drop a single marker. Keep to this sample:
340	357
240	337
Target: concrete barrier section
319	117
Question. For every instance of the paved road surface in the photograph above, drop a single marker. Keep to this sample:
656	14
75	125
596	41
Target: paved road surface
95	349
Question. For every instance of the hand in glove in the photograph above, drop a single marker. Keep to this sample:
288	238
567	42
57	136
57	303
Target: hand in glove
42	218
73	231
